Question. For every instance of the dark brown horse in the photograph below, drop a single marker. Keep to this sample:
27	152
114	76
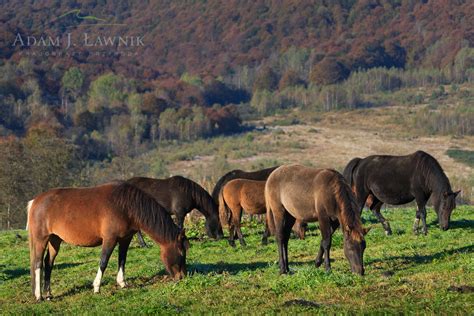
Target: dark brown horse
104	215
308	194
179	196
398	180
246	195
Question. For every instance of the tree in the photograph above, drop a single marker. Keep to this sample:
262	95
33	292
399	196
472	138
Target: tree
266	79
105	92
328	71
290	79
72	81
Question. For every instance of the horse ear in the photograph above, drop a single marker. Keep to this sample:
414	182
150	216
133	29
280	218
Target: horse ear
456	193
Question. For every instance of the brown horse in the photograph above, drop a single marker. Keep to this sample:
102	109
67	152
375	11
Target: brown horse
104	215
249	196
308	194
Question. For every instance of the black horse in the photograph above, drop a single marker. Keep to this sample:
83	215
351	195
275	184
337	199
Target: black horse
398	180
179	196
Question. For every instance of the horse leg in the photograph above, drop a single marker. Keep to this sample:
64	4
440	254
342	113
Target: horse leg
53	249
282	234
420	214
326	233
107	249
36	261
376	211
231	234
141	241
237	224
122	257
422	208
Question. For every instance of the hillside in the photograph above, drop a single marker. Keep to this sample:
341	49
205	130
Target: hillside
217	38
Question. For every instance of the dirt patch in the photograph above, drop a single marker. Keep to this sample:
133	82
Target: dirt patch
300	302
461	288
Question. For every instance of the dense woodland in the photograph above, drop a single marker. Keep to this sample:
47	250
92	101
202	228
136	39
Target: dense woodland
207	68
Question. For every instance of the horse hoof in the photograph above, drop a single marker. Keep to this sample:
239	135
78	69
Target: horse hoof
232	243
388	232
318	264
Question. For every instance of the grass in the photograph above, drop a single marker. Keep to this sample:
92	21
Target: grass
464	156
404	274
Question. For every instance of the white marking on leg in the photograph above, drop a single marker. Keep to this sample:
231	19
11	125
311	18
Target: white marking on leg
97	280
38	283
121	278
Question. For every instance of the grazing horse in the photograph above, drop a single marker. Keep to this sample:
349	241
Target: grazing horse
398	180
179	196
247	195
104	215
308	194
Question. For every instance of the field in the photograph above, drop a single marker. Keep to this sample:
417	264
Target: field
405	273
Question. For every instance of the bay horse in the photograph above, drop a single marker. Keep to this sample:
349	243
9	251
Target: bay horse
179	196
103	215
246	195
308	194
398	180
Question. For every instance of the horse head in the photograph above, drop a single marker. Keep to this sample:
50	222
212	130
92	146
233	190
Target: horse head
446	206
354	246
173	255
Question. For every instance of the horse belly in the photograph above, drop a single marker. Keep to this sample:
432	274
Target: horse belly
393	198
78	237
299	209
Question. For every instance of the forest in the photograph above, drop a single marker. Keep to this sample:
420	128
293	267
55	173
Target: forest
209	69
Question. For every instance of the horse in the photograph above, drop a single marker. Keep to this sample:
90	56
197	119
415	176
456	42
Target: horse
247	195
308	194
179	196
259	175
398	180
103	215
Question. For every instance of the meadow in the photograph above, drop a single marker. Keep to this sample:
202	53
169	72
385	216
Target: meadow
431	274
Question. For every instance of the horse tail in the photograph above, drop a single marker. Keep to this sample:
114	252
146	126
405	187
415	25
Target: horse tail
349	217
28	210
269	213
349	170
224	211
31	245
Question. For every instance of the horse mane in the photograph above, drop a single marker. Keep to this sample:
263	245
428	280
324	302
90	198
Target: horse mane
433	173
200	196
349	217
144	211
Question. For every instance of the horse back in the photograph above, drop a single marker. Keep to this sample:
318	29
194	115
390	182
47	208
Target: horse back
250	194
300	190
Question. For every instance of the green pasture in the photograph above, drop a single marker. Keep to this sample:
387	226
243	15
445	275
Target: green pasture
431	274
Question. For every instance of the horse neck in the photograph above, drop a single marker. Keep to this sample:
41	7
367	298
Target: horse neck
159	238
202	200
